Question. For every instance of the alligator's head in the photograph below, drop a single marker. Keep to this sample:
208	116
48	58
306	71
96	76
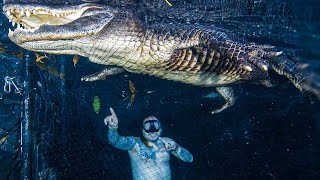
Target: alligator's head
49	28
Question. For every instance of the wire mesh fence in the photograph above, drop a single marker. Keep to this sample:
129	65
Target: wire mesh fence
70	143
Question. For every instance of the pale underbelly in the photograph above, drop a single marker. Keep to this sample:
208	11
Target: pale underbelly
153	68
194	78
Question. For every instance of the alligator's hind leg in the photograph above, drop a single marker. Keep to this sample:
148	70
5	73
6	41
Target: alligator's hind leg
102	74
229	97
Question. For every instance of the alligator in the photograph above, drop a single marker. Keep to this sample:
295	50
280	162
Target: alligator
188	53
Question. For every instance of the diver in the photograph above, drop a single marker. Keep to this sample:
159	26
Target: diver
150	154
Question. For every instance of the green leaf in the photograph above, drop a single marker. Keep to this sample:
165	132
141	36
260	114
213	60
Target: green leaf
96	104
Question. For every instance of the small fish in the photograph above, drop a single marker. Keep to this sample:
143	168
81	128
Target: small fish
96	104
39	58
75	60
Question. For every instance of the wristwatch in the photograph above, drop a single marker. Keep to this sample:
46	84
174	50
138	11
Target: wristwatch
176	149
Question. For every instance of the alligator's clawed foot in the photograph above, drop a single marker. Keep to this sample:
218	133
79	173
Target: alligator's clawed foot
260	63
248	55
102	74
228	94
258	56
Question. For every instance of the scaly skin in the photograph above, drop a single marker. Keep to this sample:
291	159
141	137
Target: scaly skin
189	54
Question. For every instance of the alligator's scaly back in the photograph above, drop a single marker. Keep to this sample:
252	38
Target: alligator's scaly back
194	54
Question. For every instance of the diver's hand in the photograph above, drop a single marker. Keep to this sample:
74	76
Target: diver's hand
169	144
112	120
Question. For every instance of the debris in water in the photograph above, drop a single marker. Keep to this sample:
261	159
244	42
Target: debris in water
133	93
75	60
211	95
4	138
96	104
167	1
132	97
2	50
51	70
131	87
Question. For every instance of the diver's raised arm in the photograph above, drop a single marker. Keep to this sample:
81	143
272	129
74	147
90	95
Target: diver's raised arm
117	141
177	150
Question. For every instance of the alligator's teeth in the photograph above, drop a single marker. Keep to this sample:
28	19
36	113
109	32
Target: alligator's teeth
33	11
28	13
18	26
8	13
9	20
58	15
21	12
13	23
10	31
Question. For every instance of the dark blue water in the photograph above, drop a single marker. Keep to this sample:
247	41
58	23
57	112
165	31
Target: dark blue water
270	133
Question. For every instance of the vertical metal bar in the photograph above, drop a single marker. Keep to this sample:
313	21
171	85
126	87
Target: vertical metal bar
26	123
63	110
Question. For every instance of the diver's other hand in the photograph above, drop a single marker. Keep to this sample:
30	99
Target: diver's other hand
169	144
112	120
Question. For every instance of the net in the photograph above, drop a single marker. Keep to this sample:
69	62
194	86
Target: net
69	139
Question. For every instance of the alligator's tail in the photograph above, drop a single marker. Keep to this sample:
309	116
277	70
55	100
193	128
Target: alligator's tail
300	74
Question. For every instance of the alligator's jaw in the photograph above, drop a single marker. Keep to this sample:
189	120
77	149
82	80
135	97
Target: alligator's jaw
42	28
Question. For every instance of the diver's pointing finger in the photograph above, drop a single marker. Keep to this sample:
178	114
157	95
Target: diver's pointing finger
112	112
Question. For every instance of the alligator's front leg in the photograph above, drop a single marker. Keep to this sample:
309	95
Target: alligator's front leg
229	97
248	55
102	74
